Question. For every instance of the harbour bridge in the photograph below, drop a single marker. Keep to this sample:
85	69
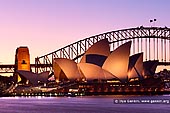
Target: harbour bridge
154	42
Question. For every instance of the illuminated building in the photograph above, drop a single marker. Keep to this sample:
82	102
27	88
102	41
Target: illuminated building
101	64
99	70
97	63
22	62
22	59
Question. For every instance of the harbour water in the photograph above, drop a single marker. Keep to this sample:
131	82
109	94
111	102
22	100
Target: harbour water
86	104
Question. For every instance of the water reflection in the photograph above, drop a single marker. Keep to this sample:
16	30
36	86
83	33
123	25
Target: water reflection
91	104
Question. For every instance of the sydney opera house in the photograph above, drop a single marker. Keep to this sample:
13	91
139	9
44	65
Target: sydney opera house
99	70
99	63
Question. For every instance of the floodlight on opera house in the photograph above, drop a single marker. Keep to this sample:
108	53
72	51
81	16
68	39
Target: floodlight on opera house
99	63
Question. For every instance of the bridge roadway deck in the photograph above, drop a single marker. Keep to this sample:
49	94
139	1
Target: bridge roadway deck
50	65
32	65
9	68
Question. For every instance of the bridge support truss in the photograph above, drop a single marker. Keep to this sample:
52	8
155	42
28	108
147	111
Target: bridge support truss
154	42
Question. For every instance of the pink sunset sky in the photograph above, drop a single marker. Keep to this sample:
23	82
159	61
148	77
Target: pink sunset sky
47	25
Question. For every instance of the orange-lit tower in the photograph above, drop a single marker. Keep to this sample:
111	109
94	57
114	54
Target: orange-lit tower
22	61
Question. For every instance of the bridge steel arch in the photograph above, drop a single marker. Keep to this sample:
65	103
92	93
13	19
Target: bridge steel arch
154	42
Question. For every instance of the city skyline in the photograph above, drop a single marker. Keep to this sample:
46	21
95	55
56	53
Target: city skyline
45	26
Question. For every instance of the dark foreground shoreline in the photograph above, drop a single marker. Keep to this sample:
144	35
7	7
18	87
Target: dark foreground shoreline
128	93
48	94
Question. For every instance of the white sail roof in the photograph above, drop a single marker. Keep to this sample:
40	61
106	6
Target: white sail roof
99	48
91	72
117	61
67	67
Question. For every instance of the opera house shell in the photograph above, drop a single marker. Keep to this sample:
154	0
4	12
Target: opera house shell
98	63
